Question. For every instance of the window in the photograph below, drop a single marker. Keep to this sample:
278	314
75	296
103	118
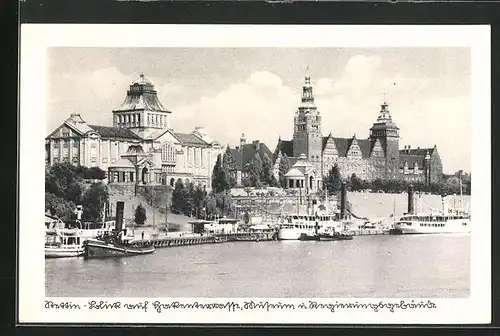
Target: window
168	153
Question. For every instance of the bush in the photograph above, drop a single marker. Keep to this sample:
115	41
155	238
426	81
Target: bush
140	215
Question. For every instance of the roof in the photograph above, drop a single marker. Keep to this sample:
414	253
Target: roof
115	132
411	159
135	150
142	80
294	172
343	145
244	154
142	96
123	163
142	101
416	151
286	147
190	138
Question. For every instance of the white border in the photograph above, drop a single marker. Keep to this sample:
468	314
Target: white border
36	38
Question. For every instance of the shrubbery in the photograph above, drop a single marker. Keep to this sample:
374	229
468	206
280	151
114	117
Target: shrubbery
65	188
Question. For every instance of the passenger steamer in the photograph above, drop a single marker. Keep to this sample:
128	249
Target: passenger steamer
317	222
445	220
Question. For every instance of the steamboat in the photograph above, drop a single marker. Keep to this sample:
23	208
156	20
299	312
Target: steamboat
115	243
444	220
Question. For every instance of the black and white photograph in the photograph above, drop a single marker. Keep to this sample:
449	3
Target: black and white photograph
197	174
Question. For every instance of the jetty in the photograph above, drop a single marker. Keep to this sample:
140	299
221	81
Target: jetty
164	242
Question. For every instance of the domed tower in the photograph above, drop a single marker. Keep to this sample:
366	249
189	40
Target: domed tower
141	111
387	132
307	128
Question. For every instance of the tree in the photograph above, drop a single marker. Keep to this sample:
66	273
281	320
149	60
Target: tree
59	207
93	202
229	167
284	167
356	183
220	176
140	215
333	181
255	170
266	175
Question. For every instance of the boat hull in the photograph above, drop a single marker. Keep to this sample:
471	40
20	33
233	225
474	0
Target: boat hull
307	237
64	253
334	237
95	250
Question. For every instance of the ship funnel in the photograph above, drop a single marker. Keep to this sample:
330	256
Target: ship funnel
411	207
119	215
343	200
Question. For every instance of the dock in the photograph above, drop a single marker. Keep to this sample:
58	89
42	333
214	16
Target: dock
164	242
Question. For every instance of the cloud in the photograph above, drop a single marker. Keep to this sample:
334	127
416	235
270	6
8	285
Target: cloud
96	94
260	106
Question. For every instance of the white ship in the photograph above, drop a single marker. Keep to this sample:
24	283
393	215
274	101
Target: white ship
444	220
453	221
63	243
295	225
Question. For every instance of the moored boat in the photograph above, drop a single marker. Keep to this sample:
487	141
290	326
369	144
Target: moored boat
115	243
444	220
63	243
97	248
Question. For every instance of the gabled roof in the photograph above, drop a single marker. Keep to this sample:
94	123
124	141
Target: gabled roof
343	145
123	163
189	138
115	132
243	155
286	147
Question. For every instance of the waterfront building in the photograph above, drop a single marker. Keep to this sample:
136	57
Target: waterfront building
140	148
244	154
378	156
303	176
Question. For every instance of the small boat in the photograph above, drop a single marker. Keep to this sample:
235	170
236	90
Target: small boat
63	243
114	244
334	236
308	237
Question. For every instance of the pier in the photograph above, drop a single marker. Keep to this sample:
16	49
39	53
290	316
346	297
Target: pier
199	240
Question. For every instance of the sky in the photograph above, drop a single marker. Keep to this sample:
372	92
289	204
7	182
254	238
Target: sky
256	91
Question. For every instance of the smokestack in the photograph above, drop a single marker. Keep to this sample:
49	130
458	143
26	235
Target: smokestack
410	199
343	200
120	205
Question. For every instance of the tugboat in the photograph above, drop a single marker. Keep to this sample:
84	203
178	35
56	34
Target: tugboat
331	234
115	243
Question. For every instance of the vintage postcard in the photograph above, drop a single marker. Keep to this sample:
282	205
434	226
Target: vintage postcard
254	174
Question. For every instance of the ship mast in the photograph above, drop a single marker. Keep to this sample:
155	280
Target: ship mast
461	193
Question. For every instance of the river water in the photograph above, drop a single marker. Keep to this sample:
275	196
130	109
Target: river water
433	266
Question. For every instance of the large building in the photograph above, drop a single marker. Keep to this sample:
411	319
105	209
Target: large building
243	156
140	147
378	156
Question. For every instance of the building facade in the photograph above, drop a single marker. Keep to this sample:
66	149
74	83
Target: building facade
378	156
243	156
140	147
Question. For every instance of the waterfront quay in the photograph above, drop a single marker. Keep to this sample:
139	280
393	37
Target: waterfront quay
194	239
